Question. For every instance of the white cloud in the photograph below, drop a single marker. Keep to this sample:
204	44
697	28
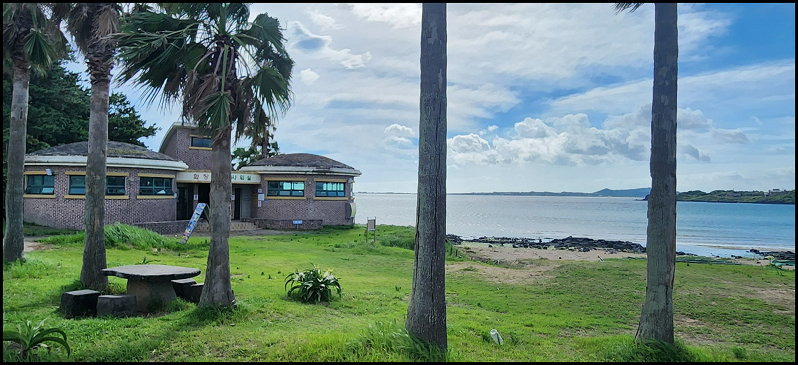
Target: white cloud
324	21
317	46
308	76
398	15
399	130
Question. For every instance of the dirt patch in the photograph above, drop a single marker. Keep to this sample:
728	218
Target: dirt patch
32	245
529	273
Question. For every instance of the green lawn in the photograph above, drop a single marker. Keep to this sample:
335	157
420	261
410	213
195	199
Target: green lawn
577	311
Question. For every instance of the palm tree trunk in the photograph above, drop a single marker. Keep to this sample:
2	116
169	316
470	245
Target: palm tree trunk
14	240
426	312
218	290
656	319
94	247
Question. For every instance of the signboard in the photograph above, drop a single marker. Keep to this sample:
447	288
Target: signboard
192	223
297	222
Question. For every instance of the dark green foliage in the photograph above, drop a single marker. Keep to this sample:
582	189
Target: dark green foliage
312	286
58	113
731	196
29	337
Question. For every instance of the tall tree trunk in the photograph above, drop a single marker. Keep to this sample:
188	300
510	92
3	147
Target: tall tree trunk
218	290
14	240
426	313
94	247
656	319
100	62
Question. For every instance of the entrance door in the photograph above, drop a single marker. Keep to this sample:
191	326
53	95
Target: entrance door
204	196
183	206
237	204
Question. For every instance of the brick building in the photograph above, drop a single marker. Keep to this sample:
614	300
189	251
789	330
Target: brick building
161	190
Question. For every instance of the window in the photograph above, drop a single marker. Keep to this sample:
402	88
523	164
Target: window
114	185
201	142
325	188
286	188
77	185
155	186
40	184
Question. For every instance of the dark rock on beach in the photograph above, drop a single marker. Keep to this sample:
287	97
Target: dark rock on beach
569	243
778	255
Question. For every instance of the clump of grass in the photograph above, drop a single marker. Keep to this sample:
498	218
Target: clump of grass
30	268
123	236
393	338
651	351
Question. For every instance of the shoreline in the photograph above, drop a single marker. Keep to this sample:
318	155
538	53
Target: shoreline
499	255
583	244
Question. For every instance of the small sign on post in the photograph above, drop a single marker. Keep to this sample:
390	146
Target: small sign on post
297	223
371	225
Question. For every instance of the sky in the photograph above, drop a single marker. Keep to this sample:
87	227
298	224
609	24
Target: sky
541	97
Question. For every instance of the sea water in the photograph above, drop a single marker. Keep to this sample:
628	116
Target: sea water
707	229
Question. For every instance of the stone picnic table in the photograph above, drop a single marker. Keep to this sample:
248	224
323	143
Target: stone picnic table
151	282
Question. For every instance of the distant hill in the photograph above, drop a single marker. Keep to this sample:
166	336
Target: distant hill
634	193
629	193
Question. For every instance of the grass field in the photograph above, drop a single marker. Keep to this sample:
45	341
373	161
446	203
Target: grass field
545	311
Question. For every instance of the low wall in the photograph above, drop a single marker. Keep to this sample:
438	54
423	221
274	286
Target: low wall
285	224
169	227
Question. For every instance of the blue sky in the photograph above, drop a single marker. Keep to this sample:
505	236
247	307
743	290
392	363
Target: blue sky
541	97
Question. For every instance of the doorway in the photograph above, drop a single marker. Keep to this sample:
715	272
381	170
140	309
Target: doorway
237	204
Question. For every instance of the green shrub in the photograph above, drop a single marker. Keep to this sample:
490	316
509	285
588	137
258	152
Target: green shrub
312	286
30	337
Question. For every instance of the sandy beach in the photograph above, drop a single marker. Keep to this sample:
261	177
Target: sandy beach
509	255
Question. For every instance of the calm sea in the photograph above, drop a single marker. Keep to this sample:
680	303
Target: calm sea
721	229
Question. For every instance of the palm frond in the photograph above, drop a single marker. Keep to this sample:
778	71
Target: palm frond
621	7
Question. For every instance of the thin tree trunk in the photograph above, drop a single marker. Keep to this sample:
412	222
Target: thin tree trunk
656	319
94	247
426	312
14	239
218	290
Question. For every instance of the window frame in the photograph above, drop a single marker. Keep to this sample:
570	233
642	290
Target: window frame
194	138
277	192
41	187
326	192
169	190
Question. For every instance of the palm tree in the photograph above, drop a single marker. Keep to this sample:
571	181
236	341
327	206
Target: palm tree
656	319
229	73
91	25
31	39
426	312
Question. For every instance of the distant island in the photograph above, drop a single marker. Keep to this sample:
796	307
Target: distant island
775	196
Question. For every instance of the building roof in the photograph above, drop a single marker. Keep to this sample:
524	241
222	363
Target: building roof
305	163
115	149
301	160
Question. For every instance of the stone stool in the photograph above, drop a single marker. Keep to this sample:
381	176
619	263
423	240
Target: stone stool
79	303
194	292
116	305
182	287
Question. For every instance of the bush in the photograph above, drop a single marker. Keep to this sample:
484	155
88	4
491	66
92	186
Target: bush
30	337
312	286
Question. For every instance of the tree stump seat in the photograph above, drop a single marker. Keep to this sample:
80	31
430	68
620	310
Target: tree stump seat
78	303
182	287
116	305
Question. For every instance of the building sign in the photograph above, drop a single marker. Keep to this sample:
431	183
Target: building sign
192	223
205	177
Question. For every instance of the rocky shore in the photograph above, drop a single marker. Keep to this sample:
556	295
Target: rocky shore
583	244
